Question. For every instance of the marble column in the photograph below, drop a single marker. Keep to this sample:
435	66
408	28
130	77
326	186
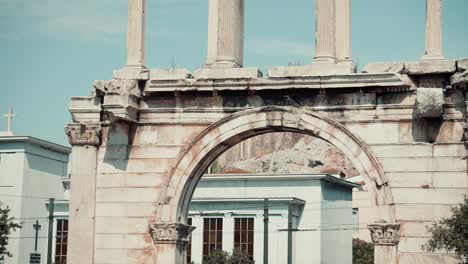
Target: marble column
136	38
385	237
325	31
343	30
433	30
85	139
226	33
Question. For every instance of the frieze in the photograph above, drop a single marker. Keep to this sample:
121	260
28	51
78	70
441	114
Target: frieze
84	134
385	233
168	233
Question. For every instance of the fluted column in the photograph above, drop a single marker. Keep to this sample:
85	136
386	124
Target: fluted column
136	38
433	30
225	33
343	30
85	140
325	31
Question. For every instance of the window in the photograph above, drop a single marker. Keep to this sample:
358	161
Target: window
189	245
61	241
355	220
244	235
212	235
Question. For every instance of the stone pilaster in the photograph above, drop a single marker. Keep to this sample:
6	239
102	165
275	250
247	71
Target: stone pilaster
433	30
85	140
226	33
136	38
343	30
170	241
385	237
325	31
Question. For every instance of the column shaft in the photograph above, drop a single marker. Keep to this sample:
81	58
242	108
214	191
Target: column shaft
343	30
226	33
136	38
325	31
385	254
82	205
433	30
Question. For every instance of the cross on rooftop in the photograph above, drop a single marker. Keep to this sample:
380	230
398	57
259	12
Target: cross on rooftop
10	116
36	226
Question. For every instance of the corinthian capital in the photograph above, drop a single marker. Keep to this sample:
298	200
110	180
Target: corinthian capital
171	233
385	233
84	134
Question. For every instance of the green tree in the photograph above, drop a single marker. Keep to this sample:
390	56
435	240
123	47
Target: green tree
222	257
451	233
363	252
7	225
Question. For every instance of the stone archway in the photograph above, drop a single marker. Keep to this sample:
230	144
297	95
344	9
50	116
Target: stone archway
215	139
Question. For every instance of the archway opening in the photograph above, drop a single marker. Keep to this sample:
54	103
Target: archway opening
282	195
195	159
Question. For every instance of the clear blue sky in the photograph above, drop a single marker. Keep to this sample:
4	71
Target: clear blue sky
51	50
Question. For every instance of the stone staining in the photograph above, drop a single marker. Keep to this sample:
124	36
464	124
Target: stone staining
325	31
433	30
226	33
136	42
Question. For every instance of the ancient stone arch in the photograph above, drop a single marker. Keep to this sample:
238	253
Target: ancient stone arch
218	137
142	140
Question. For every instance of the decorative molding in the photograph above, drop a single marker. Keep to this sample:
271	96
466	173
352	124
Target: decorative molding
84	134
121	99
385	233
170	233
119	87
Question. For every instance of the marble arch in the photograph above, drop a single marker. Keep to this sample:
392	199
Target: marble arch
142	139
218	137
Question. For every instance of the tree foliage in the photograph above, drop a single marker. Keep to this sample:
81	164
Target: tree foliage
363	252
451	233
222	257
7	225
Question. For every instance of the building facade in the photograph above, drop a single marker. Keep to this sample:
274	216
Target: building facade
31	172
309	217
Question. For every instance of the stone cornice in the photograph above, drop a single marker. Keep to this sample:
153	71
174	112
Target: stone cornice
385	233
170	233
84	134
358	80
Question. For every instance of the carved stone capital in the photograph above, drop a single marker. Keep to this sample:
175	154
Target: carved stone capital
171	233
119	87
84	134
385	233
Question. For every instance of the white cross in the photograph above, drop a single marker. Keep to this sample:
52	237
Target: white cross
10	116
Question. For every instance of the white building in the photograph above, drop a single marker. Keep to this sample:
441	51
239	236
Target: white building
31	171
311	213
